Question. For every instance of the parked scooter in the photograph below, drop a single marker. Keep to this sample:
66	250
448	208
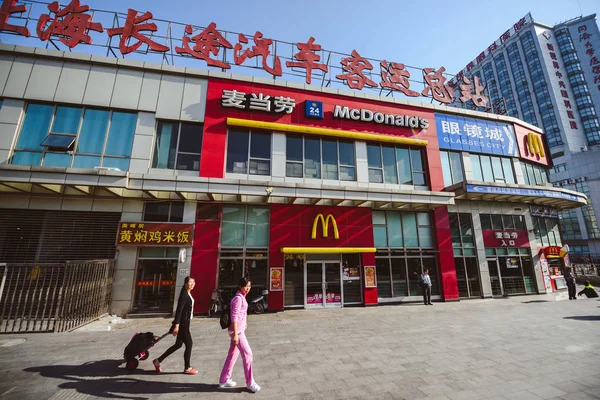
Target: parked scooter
258	305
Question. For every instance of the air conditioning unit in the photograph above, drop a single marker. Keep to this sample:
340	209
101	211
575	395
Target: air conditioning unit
571	180
583	148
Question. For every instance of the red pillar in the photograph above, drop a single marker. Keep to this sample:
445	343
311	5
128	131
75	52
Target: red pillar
369	294
449	284
204	268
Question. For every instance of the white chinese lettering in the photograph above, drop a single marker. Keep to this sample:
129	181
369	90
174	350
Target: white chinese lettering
260	102
473	131
233	98
511	242
286	104
494	134
506	235
504	243
514	235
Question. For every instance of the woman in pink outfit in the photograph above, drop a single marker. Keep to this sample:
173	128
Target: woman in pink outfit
239	343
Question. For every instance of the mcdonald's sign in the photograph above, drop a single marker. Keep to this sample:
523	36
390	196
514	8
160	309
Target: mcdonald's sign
325	226
535	145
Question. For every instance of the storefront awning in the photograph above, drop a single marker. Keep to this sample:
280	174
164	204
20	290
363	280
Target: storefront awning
559	198
119	185
327	250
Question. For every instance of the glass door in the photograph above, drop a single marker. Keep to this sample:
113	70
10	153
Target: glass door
314	284
155	286
323	284
333	284
495	278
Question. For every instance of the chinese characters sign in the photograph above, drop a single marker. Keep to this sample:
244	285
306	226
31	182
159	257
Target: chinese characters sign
543	211
562	86
505	238
521	192
585	39
155	234
257	102
519	25
466	134
141	33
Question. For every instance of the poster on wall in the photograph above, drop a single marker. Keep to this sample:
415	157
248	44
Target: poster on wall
370	281
548	284
512	262
276	282
351	273
544	264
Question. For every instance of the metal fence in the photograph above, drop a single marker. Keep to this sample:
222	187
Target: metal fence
54	297
585	264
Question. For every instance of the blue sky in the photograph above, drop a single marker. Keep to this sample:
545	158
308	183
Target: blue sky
417	33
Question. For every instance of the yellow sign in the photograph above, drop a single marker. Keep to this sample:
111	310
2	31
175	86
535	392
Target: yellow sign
535	145
325	226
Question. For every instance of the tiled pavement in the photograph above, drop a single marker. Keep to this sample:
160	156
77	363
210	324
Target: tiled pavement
529	347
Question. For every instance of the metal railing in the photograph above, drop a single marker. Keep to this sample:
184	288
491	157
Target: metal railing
54	297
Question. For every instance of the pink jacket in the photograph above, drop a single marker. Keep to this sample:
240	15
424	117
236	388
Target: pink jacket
239	311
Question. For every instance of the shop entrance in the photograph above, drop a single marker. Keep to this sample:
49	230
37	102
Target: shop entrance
495	277
155	280
323	284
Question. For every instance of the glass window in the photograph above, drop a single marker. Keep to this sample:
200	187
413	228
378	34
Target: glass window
374	156
294	153
190	147
237	151
66	120
380	236
207	212
35	127
260	154
312	158
486	221
57	160
404	170
425	231
163	211
378	217
93	132
233	226
409	225
497	169
519	222
446	171
389	165
120	135
418	168
509	174
476	167
330	159
497	222
394	227
347	161
457	167
182	156
507	221
486	168
257	228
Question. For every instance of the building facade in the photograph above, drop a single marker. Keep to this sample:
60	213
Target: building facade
549	76
324	197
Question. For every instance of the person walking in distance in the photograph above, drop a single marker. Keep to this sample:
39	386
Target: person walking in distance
570	278
239	343
181	328
426	283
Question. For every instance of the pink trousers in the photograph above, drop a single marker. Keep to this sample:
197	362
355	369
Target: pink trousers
242	348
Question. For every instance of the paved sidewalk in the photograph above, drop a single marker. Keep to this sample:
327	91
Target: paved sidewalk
528	347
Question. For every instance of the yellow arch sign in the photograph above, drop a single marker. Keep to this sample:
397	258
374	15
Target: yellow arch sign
325	226
535	145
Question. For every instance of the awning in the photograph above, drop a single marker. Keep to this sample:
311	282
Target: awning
560	198
173	185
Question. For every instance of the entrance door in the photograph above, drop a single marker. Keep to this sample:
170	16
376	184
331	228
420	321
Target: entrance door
155	285
495	277
323	284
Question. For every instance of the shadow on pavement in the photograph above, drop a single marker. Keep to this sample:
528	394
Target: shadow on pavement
536	301
105	378
585	318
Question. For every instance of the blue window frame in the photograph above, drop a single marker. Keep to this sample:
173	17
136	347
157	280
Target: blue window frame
66	136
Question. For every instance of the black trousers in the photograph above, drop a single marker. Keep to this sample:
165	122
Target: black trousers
572	290
183	337
426	294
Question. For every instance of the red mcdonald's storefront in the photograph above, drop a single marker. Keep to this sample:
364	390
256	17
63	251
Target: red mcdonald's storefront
324	249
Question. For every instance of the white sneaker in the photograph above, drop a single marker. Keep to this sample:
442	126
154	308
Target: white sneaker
254	387
228	384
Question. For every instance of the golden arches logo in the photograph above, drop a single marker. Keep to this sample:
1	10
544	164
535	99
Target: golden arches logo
325	226
535	145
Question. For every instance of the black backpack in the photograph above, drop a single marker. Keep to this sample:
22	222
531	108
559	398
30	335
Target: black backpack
225	319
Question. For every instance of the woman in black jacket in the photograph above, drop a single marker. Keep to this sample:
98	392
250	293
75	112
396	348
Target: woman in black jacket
181	327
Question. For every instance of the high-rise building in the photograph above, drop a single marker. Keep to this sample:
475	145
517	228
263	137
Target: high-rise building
549	76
